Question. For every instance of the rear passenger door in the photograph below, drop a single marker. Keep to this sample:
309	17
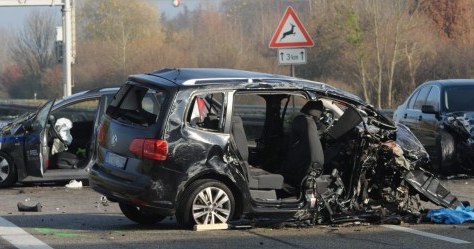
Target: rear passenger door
429	123
414	116
411	117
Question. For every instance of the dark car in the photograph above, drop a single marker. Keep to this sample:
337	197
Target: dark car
441	115
32	150
214	145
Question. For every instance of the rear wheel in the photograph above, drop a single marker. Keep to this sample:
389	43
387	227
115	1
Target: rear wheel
205	201
8	175
140	215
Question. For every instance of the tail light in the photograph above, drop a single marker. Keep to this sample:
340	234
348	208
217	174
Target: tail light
155	149
101	133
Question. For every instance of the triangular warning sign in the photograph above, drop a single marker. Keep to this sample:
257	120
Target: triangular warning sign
290	33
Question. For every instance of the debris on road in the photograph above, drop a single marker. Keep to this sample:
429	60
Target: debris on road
73	184
24	208
104	201
208	227
458	215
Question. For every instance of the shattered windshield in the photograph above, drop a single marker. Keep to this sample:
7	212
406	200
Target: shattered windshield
459	98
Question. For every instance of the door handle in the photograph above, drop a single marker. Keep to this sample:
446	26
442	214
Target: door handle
419	118
405	115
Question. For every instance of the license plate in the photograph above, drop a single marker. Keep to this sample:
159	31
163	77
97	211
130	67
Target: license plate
115	160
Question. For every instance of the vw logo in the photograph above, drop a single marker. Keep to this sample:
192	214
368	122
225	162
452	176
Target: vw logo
114	140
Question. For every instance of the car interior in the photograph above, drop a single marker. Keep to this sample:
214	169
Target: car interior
280	137
72	155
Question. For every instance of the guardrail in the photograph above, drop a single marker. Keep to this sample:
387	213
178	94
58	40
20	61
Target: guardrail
13	107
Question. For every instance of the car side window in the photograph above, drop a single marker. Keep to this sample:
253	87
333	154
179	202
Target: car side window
434	98
421	98
411	102
206	111
136	105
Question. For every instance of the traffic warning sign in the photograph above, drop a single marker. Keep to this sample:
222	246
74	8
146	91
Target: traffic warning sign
290	32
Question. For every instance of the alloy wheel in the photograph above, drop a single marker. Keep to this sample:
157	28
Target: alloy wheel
211	205
4	169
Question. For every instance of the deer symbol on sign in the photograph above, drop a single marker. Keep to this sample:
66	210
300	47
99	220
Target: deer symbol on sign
289	32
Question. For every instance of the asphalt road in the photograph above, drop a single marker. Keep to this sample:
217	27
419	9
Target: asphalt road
79	219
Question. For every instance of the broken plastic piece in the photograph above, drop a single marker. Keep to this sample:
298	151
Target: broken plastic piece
24	208
74	184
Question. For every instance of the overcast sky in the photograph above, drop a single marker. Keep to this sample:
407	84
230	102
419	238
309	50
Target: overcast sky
13	17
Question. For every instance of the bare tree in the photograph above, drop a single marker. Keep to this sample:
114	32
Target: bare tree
32	49
32	54
117	25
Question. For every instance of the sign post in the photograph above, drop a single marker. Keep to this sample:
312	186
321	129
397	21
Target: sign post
290	38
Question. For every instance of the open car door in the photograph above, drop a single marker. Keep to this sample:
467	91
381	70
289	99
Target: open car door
36	142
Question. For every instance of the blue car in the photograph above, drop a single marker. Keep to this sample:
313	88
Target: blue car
32	150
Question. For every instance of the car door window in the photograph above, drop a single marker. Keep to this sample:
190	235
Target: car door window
206	111
411	102
42	116
421	98
434	98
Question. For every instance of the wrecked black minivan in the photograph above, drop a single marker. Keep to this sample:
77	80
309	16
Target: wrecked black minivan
215	145
441	115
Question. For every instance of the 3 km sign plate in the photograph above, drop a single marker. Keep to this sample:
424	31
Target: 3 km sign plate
291	56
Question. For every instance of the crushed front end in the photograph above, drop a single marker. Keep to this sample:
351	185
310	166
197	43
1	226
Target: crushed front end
460	125
374	173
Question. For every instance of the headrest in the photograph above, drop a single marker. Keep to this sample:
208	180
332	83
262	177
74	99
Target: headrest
313	108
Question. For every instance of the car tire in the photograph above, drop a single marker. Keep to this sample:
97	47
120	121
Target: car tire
140	215
446	150
8	173
205	201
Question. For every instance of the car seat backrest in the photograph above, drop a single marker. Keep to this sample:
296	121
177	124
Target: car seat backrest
258	178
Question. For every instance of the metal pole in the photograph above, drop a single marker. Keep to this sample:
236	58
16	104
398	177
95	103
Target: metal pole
292	70
67	62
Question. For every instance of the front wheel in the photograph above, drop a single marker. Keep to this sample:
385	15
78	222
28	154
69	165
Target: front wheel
8	175
140	215
446	148
205	201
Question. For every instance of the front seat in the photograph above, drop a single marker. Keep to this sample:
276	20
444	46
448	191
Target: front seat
305	149
258	178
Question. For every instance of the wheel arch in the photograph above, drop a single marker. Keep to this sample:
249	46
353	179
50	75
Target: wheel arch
238	196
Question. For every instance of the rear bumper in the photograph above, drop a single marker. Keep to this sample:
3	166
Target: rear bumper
141	192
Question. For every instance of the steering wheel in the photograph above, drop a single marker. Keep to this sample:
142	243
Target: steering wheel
327	120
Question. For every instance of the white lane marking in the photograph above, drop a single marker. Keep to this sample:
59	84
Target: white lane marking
426	234
18	237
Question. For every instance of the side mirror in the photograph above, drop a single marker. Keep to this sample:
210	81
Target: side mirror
429	109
